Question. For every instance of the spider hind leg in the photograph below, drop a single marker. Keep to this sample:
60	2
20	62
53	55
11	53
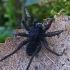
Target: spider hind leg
34	53
49	49
47	26
50	34
19	46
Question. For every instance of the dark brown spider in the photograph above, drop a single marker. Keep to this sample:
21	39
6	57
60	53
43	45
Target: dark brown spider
36	35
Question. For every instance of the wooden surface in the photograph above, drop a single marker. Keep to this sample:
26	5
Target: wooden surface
20	59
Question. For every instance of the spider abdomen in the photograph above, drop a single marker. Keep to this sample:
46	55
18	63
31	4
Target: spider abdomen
31	47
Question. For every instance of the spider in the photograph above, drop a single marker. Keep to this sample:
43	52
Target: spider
36	34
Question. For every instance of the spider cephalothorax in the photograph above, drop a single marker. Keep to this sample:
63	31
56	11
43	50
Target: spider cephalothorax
36	35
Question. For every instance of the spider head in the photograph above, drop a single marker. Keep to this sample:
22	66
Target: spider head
36	33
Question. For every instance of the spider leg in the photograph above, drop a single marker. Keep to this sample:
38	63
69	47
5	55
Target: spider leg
28	17
50	34
25	25
21	34
35	21
47	26
36	51
19	46
49	49
27	13
28	23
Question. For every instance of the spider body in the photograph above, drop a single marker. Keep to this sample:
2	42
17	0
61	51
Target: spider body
36	35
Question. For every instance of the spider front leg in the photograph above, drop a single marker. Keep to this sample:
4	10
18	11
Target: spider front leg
47	26
35	21
49	49
19	46
27	23
21	34
50	34
35	52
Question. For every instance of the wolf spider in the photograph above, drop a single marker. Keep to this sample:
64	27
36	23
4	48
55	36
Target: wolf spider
36	35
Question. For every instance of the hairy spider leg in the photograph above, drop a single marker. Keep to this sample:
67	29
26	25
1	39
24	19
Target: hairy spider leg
47	26
49	49
50	34
19	46
21	34
27	13
28	17
25	25
35	21
27	20
35	52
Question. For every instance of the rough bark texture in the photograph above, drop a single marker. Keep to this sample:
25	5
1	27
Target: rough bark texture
20	59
